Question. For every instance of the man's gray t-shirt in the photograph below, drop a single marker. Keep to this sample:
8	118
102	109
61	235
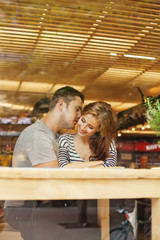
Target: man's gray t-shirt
36	144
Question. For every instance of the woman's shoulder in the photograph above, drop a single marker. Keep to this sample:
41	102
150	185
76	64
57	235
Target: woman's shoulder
65	137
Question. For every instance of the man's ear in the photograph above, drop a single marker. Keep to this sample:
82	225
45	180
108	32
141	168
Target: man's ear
60	105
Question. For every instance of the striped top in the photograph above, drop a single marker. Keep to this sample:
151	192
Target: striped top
68	154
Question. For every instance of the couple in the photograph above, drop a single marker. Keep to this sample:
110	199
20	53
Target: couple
37	146
91	146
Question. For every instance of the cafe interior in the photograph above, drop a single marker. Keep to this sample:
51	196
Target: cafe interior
108	50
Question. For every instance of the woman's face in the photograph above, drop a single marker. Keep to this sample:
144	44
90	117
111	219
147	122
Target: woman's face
87	125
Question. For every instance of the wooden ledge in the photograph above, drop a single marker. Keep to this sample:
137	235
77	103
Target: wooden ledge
87	173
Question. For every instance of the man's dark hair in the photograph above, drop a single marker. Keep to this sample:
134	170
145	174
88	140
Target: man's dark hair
67	94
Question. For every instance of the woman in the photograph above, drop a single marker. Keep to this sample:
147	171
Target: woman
93	145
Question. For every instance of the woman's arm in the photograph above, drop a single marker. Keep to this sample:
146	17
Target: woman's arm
84	164
111	161
63	157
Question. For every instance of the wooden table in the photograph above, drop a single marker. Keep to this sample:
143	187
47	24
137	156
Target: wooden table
101	184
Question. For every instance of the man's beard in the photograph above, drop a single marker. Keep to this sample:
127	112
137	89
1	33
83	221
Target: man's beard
66	124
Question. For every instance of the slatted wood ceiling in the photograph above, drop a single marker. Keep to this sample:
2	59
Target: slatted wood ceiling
83	43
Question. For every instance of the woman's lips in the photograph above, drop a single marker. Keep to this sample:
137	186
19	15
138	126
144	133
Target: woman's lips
80	131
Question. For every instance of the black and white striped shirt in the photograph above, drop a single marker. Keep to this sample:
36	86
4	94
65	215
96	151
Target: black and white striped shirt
68	154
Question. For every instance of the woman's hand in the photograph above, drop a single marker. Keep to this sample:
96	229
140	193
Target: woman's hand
84	164
98	164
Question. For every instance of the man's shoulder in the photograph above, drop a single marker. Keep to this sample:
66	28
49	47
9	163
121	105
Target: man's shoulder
29	129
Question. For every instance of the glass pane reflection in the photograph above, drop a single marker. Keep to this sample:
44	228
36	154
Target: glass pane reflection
70	219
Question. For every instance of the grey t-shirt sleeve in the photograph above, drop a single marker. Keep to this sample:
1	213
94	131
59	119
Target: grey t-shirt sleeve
42	148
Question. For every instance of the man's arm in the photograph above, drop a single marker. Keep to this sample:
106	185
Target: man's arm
52	164
43	151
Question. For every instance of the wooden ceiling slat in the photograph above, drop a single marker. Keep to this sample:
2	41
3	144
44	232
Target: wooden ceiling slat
132	10
149	4
18	36
31	21
109	45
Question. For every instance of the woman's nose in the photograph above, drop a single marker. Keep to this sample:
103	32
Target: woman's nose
83	127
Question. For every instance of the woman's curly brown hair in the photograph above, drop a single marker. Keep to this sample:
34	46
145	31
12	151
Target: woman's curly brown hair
107	118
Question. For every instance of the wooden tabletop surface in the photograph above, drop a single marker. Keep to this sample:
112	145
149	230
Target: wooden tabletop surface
86	173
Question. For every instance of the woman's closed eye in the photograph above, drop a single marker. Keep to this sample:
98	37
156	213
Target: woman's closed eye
83	120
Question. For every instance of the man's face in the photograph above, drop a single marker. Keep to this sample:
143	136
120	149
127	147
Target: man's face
72	113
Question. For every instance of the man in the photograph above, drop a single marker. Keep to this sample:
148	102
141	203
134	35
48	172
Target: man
37	147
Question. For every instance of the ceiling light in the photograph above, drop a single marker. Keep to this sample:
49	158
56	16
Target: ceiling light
113	54
141	57
90	32
35	87
141	34
145	30
154	23
119	134
133	129
149	27
30	108
137	38
5	105
9	85
13	106
142	127
18	107
123	106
